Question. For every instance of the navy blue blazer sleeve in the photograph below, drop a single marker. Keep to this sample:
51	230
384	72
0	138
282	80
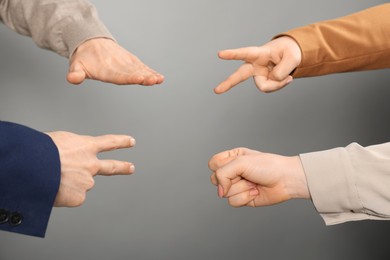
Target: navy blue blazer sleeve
29	179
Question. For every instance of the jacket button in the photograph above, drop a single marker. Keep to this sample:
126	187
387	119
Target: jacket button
15	219
3	216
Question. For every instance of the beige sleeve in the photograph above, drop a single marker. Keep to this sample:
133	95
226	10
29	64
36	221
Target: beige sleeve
351	183
57	25
360	41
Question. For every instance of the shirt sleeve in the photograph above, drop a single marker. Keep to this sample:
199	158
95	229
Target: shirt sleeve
360	41
30	173
57	25
351	183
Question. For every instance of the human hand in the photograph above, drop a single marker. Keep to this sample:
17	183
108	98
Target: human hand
270	65
251	178
103	59
79	163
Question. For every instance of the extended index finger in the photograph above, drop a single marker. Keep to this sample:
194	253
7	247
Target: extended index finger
113	142
245	54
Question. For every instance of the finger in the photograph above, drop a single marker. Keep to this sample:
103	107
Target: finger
245	54
76	77
157	77
221	190
72	199
245	71
113	167
160	78
267	85
150	80
243	199
230	174
213	179
225	157
125	78
112	142
221	159
76	74
239	187
284	68
143	76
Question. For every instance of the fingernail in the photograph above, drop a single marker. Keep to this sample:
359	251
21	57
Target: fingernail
289	80
132	141
254	192
251	184
220	191
132	168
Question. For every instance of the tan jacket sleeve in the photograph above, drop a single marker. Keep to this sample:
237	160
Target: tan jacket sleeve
351	183
57	25
356	42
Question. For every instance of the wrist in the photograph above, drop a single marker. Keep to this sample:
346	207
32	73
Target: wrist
296	183
92	43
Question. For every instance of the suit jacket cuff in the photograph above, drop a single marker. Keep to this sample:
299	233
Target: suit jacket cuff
29	178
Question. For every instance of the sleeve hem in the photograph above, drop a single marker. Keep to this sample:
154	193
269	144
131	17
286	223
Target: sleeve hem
330	180
77	32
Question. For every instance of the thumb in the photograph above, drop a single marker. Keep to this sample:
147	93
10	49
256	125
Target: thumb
76	74
283	69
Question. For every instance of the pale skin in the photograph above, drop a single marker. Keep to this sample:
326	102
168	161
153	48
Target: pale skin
251	178
270	65
104	60
79	163
247	177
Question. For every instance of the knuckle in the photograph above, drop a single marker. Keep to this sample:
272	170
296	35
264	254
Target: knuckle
113	169
213	179
78	200
82	199
94	167
263	88
218	175
233	152
211	163
90	183
234	204
240	200
237	151
278	75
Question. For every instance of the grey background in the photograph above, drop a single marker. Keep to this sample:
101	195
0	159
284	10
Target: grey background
168	209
